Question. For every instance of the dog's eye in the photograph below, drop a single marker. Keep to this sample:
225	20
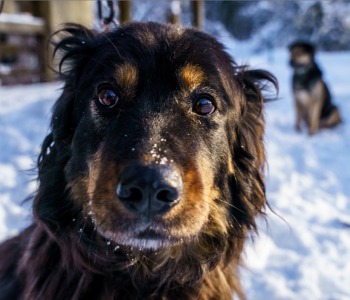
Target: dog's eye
204	106
107	98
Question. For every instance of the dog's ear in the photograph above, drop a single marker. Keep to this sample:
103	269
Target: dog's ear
248	152
51	205
76	45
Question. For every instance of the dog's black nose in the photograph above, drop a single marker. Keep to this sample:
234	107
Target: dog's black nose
149	190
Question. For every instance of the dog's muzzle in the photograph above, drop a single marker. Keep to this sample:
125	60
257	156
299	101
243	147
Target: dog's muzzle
149	190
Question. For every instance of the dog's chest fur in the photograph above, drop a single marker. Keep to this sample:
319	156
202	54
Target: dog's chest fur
306	78
307	85
307	97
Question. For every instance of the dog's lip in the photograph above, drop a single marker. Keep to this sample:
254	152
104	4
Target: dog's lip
149	234
147	238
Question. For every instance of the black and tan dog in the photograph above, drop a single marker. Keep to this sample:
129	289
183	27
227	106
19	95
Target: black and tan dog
312	97
152	176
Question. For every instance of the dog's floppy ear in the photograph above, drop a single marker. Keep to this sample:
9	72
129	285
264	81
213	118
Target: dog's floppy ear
76	45
51	205
247	185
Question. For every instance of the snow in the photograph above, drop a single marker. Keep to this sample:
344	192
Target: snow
21	19
24	120
303	251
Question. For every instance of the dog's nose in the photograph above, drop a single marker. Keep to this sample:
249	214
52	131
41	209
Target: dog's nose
149	190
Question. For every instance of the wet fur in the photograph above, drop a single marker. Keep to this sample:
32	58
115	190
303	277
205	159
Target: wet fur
54	259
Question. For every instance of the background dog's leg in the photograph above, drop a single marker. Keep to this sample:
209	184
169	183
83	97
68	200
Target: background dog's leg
332	120
318	95
299	111
335	118
314	116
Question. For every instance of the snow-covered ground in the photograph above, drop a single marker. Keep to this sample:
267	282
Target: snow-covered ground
306	255
304	250
24	121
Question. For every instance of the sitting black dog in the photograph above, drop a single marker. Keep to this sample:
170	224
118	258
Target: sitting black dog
312	98
151	178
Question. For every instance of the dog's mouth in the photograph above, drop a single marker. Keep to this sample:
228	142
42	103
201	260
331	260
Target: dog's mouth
149	234
145	238
150	239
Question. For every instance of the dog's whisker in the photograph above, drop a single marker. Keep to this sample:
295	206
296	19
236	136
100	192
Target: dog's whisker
236	220
231	205
203	189
150	260
111	43
63	213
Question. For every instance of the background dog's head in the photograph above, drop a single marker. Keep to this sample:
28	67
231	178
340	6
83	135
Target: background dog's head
301	54
156	143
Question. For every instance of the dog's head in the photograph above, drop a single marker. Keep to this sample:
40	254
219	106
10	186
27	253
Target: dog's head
156	141
301	54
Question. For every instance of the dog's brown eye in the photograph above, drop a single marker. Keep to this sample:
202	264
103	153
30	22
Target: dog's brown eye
204	106
107	98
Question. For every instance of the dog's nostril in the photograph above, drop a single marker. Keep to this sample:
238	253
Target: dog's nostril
129	193
167	195
135	194
149	190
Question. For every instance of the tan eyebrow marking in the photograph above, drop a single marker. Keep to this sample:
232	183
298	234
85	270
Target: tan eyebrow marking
192	76
126	76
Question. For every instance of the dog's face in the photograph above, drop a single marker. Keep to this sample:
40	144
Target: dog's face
160	150
152	144
301	55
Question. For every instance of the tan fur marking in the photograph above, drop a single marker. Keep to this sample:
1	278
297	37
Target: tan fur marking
218	213
318	97
309	106
78	189
332	120
304	59
192	76
94	171
303	97
299	56
83	187
126	76
230	165
299	111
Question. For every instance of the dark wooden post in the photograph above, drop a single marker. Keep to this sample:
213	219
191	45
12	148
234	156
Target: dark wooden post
175	12
55	13
45	50
124	11
198	14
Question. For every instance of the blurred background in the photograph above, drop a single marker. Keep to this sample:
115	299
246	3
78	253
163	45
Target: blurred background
26	25
304	251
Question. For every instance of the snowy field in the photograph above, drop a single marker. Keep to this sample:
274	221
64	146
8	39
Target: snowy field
305	255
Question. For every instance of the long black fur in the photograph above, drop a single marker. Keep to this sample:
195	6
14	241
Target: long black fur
61	256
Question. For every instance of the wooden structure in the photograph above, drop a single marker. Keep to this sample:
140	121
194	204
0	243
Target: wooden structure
20	42
174	16
25	27
198	14
124	11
